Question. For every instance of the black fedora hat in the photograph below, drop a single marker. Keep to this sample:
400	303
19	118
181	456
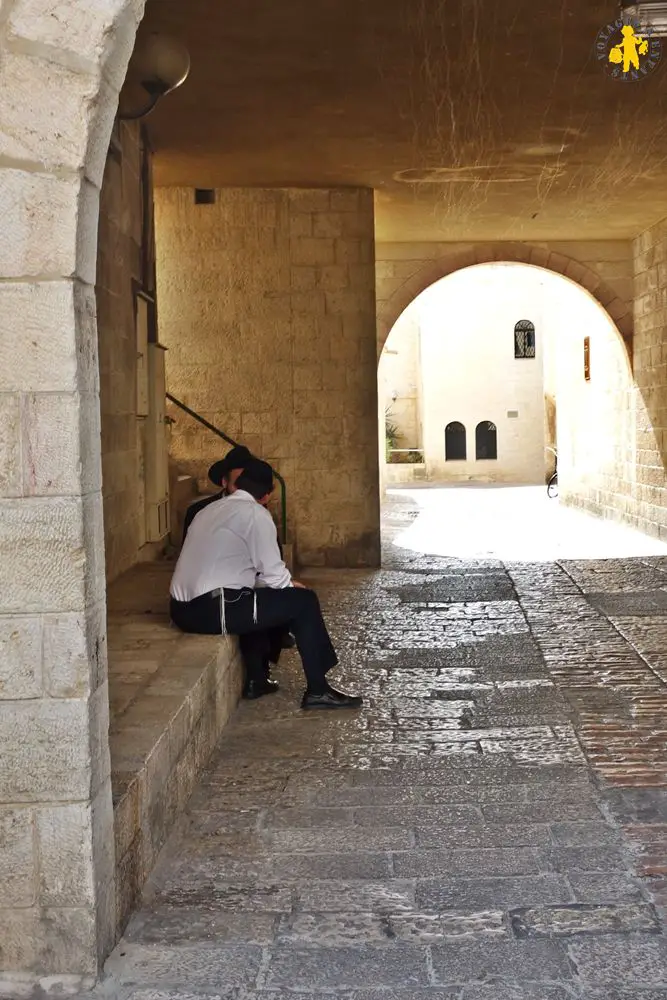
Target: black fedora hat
237	458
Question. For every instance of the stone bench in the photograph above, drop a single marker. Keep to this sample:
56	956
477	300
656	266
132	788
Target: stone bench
170	696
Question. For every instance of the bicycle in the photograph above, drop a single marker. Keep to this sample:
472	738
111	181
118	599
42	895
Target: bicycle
552	485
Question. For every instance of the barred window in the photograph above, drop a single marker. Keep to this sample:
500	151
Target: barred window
524	339
486	441
455	442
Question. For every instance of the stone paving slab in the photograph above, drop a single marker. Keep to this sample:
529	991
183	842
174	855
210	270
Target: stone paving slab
393	896
242	898
176	994
511	961
468	863
484	836
588	887
336	968
630	994
491	826
637	960
525	991
641	602
167	924
492	893
581	918
450	590
187	965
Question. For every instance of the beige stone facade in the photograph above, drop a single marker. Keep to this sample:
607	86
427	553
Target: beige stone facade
400	381
58	84
267	308
462	331
125	269
634	488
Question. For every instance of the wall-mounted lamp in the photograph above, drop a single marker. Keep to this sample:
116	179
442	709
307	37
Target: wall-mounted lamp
651	15
160	64
394	396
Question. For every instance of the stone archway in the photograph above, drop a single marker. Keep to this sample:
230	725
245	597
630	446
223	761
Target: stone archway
620	311
61	71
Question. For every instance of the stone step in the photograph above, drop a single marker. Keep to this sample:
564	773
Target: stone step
170	696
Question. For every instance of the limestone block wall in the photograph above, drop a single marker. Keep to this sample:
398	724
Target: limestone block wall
267	308
470	373
650	373
400	381
595	416
125	258
635	489
60	69
603	267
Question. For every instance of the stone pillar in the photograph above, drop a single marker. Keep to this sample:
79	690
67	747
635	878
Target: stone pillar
336	477
60	69
267	306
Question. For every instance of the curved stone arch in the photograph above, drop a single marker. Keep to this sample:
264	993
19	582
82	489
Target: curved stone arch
62	65
618	310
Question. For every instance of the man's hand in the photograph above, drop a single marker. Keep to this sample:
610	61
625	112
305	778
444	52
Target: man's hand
301	586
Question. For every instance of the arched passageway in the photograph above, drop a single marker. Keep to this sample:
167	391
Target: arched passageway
528	352
307	293
58	910
620	310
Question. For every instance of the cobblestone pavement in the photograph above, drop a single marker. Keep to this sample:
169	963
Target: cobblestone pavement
492	826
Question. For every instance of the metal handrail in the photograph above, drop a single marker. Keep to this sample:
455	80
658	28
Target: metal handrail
235	444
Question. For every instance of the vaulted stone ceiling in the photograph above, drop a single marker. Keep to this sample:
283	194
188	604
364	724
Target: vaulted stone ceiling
387	93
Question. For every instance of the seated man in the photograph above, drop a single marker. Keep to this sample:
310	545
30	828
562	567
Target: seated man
223	474
229	548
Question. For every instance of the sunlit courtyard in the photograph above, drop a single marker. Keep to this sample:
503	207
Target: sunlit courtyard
517	523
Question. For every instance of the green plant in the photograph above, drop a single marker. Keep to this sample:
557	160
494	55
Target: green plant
391	433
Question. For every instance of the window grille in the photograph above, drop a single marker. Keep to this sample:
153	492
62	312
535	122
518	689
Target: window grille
524	339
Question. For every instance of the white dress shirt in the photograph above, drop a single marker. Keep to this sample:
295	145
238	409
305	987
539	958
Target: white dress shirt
231	543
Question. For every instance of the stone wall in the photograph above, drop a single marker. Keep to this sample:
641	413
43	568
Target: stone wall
470	373
594	417
650	372
400	381
267	308
125	260
635	488
60	71
604	268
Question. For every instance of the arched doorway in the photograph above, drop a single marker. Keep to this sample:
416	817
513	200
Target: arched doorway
398	298
525	359
64	66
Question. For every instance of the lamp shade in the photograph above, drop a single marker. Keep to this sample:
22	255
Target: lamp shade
160	63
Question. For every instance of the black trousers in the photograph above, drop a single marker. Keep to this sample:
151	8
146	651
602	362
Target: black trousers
294	608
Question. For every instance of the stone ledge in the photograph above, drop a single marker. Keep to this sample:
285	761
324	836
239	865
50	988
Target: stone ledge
170	697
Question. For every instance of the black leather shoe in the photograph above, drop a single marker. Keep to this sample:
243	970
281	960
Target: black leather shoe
257	689
289	642
331	699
